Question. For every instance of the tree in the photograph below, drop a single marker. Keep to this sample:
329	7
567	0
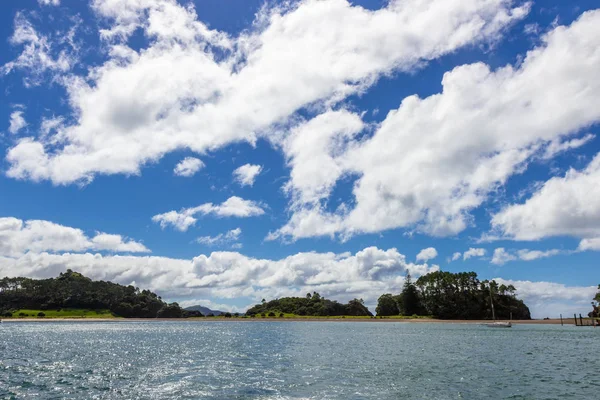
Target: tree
386	306
411	301
41	314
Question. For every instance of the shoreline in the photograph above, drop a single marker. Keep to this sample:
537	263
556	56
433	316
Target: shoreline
217	319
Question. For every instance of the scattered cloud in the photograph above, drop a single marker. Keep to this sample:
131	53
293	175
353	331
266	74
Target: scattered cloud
232	207
17	122
222	238
39	54
474	252
456	256
188	167
18	237
427	254
209	98
49	2
502	256
246	174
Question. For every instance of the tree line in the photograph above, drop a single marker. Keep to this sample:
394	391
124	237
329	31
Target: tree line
73	290
447	295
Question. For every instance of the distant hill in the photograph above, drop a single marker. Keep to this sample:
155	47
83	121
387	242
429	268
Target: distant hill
204	310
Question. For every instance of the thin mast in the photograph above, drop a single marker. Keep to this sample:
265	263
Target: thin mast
492	303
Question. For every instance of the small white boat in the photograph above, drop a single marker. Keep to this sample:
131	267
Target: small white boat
499	325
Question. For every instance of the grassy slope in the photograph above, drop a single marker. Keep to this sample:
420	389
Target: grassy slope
66	313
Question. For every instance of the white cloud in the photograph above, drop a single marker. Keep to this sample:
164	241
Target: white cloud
222	238
49	2
38	55
228	275
549	299
188	167
456	256
427	254
18	237
474	252
530	255
246	174
222	276
501	256
232	207
17	122
180	220
563	206
194	100
433	160
590	244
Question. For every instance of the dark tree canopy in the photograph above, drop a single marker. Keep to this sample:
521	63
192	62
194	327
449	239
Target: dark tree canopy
73	290
449	295
312	304
387	305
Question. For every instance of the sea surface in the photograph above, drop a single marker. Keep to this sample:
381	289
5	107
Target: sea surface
296	360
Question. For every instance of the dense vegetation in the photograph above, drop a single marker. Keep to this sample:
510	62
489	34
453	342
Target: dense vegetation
312	305
449	295
71	290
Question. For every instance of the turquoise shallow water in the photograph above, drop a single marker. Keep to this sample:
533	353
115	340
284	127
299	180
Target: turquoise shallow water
296	360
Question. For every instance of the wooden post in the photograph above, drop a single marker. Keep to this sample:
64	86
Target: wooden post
580	320
575	316
561	322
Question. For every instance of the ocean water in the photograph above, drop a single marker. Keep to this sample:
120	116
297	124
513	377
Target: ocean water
296	360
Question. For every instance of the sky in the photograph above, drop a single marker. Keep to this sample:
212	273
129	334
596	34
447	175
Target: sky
222	152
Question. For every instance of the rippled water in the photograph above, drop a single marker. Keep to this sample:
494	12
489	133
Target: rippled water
296	360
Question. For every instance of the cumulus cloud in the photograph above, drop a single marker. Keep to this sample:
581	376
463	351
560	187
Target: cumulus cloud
427	254
501	256
232	207
228	275
454	148
49	2
222	276
222	238
474	252
206	101
18	237
456	256
17	122
549	299
246	174
188	167
563	206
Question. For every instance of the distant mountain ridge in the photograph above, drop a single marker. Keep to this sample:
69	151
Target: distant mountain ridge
204	310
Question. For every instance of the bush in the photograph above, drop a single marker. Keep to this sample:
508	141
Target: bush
227	315
41	314
281	315
7	314
271	314
263	315
22	314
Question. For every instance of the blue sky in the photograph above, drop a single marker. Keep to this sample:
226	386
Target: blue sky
366	132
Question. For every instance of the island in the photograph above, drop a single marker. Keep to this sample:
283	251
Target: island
73	295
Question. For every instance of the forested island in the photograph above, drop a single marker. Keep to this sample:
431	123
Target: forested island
311	305
447	295
72	290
